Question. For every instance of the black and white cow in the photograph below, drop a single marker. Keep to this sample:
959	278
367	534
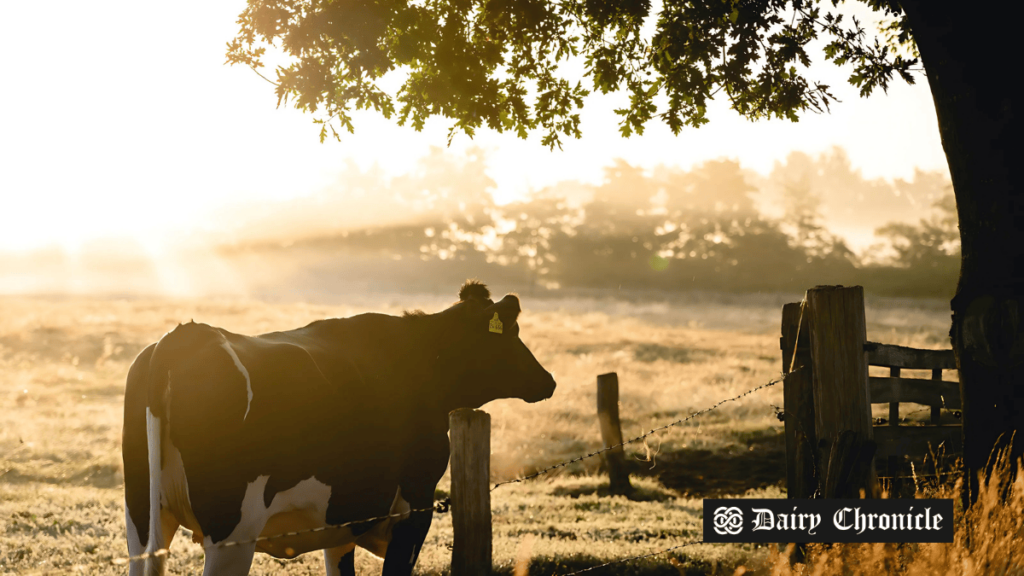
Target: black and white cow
234	437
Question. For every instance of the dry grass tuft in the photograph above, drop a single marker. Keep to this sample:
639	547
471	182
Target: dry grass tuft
988	539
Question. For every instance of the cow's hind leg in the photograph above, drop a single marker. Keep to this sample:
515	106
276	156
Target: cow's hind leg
340	561
406	540
228	560
136	547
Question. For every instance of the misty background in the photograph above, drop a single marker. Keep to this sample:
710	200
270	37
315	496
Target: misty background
712	226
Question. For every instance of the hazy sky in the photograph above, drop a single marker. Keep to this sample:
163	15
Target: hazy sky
119	118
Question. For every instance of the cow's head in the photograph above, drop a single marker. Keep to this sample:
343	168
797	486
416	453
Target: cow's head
485	356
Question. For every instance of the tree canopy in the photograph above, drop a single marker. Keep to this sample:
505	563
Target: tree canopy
501	63
498	63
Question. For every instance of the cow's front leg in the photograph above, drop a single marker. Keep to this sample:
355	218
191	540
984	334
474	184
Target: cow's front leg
340	561
406	541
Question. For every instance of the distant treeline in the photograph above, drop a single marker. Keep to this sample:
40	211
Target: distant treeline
713	227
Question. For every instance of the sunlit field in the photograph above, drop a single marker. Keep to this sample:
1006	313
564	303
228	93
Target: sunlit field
63	364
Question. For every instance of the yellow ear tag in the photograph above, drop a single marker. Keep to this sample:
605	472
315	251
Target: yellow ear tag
495	324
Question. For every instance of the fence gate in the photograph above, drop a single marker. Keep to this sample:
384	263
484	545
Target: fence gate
831	443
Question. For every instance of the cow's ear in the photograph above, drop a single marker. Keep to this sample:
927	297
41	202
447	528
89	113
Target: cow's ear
503	314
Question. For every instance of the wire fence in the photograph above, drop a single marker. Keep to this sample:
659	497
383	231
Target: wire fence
444	505
439	506
644	435
640	438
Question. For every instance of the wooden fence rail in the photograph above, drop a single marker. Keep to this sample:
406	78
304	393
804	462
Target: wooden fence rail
935	393
893	356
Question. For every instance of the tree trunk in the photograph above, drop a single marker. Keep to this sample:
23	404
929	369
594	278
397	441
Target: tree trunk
970	54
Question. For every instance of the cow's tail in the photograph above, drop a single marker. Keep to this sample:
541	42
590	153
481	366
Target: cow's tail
154	555
157	422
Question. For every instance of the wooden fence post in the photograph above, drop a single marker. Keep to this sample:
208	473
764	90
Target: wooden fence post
893	461
611	433
798	403
471	495
798	411
936	415
838	333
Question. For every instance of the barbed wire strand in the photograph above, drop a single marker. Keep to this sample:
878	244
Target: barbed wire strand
645	434
634	558
796	339
440	506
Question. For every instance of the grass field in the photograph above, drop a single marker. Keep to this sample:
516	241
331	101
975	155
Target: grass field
63	363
